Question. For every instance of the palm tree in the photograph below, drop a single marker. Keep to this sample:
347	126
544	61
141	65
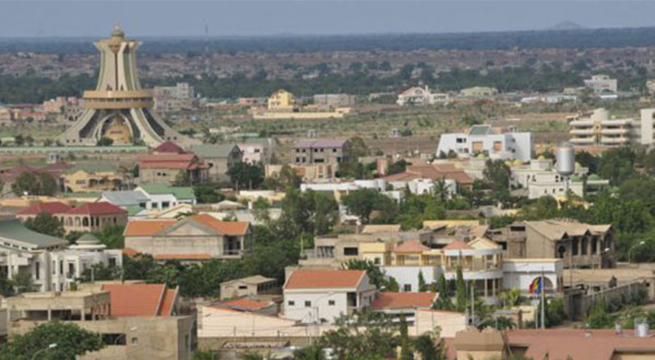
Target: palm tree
440	190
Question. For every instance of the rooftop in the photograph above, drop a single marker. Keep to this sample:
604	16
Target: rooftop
124	198
324	279
180	192
320	143
252	280
214	150
169	147
129	300
403	300
15	230
41	207
245	304
99	208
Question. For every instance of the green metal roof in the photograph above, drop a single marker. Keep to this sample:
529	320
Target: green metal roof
480	130
133	210
93	167
182	193
213	150
82	195
16	231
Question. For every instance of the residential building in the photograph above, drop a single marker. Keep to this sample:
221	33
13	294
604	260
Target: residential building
6	116
87	217
479	92
130	200
647	126
599	129
323	151
421	96
51	263
145	329
250	303
333	101
317	296
169	168
174	98
601	84
308	173
281	100
249	286
256	150
447	173
162	197
484	139
194	238
577	244
93	178
218	159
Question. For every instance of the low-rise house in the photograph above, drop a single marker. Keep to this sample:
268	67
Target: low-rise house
144	329
281	100
317	296
87	217
250	303
51	263
249	286
162	197
421	178
421	96
478	92
601	84
93	178
333	101
218	159
321	151
484	139
169	164
403	303
256	150
308	173
195	238
578	245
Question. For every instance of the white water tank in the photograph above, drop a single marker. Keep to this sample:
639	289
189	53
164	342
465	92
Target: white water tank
641	328
565	159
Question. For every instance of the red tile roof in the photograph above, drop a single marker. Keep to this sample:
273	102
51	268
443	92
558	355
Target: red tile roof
130	300
146	227
182	257
99	208
458	245
248	304
169	147
130	252
411	246
403	300
233	228
170	161
41	207
324	279
433	172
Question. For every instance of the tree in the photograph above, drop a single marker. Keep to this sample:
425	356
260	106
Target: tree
206	193
72	342
286	177
246	176
375	274
23	282
19	140
460	290
429	349
397	167
35	183
363	335
105	141
45	223
497	174
422	287
363	202
112	236
405	349
617	164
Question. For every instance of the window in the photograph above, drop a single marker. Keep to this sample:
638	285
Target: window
135	340
377	261
243	287
308	303
331	302
37	266
407	288
54	267
291	303
351	251
165	204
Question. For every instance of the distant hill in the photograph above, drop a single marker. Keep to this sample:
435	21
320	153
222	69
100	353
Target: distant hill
566	25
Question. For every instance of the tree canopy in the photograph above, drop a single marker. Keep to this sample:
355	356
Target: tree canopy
71	341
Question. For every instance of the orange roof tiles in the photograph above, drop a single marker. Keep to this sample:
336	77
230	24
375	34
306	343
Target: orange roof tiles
181	256
169	161
458	245
146	227
403	300
130	300
130	252
411	246
249	304
224	227
169	147
324	279
99	208
433	172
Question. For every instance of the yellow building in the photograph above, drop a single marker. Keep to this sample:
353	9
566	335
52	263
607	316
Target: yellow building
281	100
93	178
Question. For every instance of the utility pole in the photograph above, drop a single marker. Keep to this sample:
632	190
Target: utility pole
543	301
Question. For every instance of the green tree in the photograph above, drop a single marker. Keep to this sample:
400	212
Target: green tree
105	141
405	345
71	342
19	140
497	174
422	287
35	183
206	193
364	335
23	282
246	176
617	165
45	223
460	290
397	167
429	349
112	236
363	202
375	274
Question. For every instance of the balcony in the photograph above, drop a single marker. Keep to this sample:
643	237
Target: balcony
585	131
614	140
583	140
614	131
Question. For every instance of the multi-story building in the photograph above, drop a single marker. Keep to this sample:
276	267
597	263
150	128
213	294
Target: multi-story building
421	96
218	159
51	263
576	244
308	173
599	129
323	295
647	126
484	139
321	151
169	168
281	100
194	238
148	328
601	84
333	101
174	98
93	178
256	150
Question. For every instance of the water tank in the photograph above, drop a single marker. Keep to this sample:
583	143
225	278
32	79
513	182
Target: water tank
641	328
565	159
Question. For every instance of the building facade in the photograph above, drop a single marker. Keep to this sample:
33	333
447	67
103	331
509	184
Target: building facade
599	129
483	139
601	84
321	151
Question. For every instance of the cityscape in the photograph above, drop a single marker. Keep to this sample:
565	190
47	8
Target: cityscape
481	193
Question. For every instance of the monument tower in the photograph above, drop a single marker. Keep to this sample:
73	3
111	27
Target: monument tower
119	108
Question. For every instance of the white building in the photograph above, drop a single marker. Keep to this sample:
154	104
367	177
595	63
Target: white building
599	129
421	96
317	296
647	126
601	84
483	139
521	273
163	197
256	150
52	265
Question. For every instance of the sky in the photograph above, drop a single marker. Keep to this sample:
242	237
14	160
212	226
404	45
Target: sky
92	18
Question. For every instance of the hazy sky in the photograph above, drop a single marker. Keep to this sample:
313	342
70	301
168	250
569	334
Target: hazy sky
270	17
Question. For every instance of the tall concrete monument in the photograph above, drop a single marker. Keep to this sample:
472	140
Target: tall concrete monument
119	108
